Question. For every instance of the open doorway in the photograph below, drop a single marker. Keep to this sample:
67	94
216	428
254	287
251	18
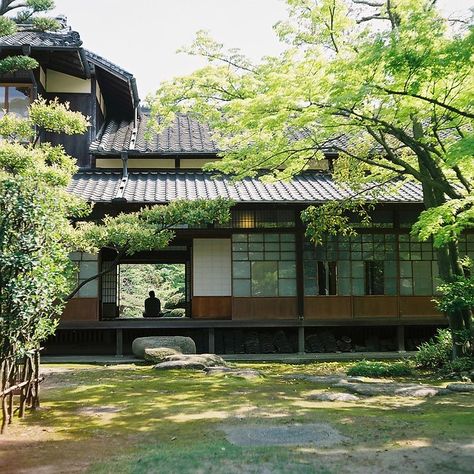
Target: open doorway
167	280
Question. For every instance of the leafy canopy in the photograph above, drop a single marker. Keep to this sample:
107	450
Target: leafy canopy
388	85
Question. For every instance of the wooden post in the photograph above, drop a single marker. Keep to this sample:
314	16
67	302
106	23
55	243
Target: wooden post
401	338
212	341
301	348
119	342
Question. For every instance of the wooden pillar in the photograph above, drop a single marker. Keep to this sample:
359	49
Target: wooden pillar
212	342
401	338
119	342
301	348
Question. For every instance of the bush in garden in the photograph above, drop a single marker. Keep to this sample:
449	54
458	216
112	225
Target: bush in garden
380	369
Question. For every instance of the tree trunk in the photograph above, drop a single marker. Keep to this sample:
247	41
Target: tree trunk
449	267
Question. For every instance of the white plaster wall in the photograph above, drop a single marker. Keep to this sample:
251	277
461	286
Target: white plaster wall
212	265
64	83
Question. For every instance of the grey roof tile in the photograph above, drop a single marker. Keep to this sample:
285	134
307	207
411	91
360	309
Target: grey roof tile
166	186
101	61
185	135
96	186
42	39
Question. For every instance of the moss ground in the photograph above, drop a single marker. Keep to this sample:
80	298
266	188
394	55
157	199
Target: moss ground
133	419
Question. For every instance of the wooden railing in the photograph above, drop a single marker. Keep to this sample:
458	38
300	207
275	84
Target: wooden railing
19	385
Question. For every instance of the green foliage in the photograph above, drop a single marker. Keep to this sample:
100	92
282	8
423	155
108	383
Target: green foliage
446	222
57	117
437	352
137	280
36	234
12	64
14	128
389	90
380	369
457	295
459	365
7	26
153	227
27	11
333	218
46	24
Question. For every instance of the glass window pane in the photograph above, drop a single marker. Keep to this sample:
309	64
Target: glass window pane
390	286
241	270
256	246
239	256
344	286
288	255
287	287
405	269
422	278
390	269
239	238
406	287
272	255
287	237
287	269
239	246
264	278
310	287
271	237
272	247
18	101
3	105
255	237
241	287
256	256
357	286
357	269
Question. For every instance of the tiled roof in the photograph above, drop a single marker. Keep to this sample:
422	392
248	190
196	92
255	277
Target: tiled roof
101	61
42	39
96	187
185	135
166	186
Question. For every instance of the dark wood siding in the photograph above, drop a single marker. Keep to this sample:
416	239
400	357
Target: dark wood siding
76	145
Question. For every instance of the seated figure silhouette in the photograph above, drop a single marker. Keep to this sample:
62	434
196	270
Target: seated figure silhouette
152	306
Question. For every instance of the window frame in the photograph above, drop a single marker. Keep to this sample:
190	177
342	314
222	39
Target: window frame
7	85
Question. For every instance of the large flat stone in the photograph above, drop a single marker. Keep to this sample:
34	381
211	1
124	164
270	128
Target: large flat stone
159	354
208	360
315	434
391	389
333	397
181	344
461	387
180	364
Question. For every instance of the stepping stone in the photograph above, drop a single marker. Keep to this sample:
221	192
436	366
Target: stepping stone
461	387
243	373
180	364
208	360
333	397
403	390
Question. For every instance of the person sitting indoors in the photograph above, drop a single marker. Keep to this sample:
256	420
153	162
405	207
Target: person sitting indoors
152	306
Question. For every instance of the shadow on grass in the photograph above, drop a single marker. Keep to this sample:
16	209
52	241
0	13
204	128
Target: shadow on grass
142	420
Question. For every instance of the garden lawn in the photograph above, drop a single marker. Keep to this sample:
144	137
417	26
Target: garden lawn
134	419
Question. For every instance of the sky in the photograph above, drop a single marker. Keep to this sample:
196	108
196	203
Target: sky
142	36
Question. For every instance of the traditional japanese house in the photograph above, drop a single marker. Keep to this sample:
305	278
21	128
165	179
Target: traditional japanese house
255	285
